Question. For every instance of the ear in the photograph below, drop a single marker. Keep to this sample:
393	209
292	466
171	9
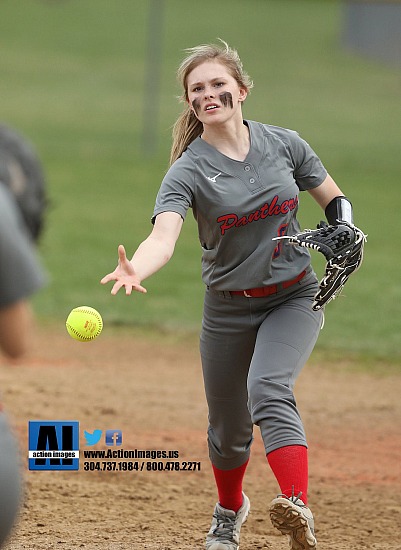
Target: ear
190	106
243	94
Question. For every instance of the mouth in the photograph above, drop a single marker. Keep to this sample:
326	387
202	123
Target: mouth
211	107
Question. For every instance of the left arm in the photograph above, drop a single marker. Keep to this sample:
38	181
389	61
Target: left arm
341	241
326	192
336	206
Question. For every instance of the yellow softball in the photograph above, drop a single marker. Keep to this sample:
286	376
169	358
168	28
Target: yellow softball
84	323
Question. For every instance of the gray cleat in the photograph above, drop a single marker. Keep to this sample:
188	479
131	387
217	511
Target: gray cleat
291	517
226	526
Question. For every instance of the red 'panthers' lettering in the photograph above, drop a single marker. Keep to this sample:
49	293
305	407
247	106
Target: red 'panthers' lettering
280	233
227	221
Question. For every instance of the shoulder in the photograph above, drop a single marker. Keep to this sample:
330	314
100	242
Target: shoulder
181	171
296	147
285	135
284	139
10	215
184	162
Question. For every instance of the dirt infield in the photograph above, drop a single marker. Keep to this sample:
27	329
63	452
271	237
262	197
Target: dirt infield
152	391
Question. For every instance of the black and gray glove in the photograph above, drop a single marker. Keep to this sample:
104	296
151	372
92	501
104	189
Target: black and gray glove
21	171
341	243
342	246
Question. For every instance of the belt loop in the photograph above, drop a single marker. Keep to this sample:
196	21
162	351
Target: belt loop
226	294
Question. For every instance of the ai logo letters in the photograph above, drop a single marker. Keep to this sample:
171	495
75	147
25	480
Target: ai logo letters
53	445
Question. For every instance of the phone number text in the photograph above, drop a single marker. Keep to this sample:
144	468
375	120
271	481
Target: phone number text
128	466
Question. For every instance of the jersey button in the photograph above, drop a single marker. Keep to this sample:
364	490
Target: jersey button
252	180
247	168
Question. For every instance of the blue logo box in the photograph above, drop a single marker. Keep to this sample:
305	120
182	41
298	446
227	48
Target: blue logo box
53	445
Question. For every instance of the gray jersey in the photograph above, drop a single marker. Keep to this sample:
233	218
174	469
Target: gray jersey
20	271
241	206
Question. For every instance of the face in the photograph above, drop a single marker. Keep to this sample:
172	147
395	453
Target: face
213	94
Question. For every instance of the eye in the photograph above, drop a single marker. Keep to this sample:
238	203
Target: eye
197	89
219	84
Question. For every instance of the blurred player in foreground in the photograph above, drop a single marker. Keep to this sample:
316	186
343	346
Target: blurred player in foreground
22	207
243	180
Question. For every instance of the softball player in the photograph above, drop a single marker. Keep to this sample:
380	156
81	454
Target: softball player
242	180
22	210
10	479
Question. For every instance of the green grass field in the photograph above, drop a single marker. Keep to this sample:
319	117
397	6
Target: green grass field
73	81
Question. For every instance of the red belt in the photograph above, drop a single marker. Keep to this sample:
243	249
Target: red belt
267	290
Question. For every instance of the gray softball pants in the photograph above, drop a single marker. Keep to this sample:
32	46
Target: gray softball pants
252	351
10	484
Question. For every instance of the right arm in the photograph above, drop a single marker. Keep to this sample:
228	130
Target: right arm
16	321
151	255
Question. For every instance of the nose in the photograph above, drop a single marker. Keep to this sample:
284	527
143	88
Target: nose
208	93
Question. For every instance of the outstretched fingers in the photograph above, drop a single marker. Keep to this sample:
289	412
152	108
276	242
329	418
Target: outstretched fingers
129	287
123	276
118	285
107	278
122	256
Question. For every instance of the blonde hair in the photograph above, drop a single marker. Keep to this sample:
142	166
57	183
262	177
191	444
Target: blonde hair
187	127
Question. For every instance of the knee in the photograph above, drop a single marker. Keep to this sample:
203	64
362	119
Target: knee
273	409
267	398
229	450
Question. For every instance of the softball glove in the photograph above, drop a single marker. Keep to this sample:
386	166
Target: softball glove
342	245
21	171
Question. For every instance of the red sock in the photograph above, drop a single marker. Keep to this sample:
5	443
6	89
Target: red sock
229	486
290	467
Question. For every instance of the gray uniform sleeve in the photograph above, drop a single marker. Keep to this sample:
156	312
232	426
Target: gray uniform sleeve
309	171
176	192
20	272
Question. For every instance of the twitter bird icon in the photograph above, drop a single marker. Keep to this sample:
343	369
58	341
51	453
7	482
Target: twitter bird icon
92	438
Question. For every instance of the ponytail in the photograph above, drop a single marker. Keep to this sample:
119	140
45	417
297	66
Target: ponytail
185	130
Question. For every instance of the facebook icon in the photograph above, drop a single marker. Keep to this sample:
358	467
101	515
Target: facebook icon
114	437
